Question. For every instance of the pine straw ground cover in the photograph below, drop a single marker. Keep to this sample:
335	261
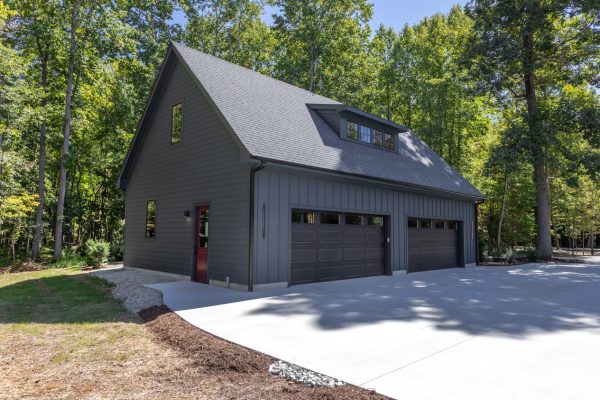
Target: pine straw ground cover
63	336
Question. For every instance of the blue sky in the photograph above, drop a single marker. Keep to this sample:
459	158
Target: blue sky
396	13
393	13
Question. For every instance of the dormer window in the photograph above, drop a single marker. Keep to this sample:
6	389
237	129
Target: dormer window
365	134
372	136
352	130
377	138
388	141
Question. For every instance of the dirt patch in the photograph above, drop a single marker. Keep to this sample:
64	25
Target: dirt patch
243	372
25	266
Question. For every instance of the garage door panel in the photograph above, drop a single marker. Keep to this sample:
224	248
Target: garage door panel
373	269
354	270
432	248
322	252
354	254
300	275
330	272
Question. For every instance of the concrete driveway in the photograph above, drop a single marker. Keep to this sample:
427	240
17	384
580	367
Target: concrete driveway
525	332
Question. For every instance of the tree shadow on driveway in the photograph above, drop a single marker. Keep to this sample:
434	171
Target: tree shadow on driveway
510	301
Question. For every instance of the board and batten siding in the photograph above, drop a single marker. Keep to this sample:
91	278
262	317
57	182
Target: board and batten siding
204	168
279	189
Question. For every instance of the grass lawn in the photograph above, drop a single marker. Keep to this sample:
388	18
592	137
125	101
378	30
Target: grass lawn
62	336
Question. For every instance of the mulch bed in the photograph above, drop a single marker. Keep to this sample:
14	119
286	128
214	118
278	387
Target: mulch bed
244	372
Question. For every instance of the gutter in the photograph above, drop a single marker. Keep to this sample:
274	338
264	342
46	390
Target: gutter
253	171
477	252
396	184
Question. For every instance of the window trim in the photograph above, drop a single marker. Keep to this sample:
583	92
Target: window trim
356	132
358	139
365	132
146	219
179	103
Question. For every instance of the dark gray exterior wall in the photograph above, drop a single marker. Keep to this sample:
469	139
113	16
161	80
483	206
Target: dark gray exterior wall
204	168
279	189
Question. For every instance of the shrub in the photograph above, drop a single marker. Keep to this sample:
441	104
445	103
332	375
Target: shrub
509	256
96	252
116	252
72	260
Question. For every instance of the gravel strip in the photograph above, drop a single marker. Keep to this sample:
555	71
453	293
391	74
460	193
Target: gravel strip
296	373
129	287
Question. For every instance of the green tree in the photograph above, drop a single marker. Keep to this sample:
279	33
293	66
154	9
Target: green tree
523	50
314	36
230	29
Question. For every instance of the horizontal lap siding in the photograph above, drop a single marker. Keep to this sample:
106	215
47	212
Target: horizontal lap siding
280	189
204	167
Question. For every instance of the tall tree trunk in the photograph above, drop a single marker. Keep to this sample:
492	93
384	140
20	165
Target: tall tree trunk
312	71
39	214
542	198
502	208
62	183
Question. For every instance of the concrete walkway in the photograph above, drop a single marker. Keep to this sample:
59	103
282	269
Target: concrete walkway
525	332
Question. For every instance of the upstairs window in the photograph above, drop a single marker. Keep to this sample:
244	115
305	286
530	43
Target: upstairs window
176	123
365	134
150	218
352	130
388	141
377	138
369	135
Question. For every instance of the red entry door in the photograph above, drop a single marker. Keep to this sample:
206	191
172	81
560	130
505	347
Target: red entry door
202	244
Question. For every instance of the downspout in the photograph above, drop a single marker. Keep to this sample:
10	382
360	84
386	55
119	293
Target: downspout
477	260
253	171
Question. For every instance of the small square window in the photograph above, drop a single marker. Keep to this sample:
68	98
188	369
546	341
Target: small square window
352	130
452	225
329	218
176	123
150	218
425	224
439	224
303	217
388	141
377	138
375	220
365	134
412	222
353	220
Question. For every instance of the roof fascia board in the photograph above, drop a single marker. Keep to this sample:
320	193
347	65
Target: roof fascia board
368	179
123	178
213	105
134	146
344	109
383	121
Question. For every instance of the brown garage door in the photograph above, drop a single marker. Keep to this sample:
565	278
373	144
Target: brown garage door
432	244
332	245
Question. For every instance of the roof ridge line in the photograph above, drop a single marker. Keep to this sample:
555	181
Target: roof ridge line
256	72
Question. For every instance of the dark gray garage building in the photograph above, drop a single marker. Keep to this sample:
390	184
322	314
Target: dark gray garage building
238	179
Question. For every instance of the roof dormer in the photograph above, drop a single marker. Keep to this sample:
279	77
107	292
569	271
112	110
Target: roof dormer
353	124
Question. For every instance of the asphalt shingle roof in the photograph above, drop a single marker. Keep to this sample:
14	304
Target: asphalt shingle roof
273	121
